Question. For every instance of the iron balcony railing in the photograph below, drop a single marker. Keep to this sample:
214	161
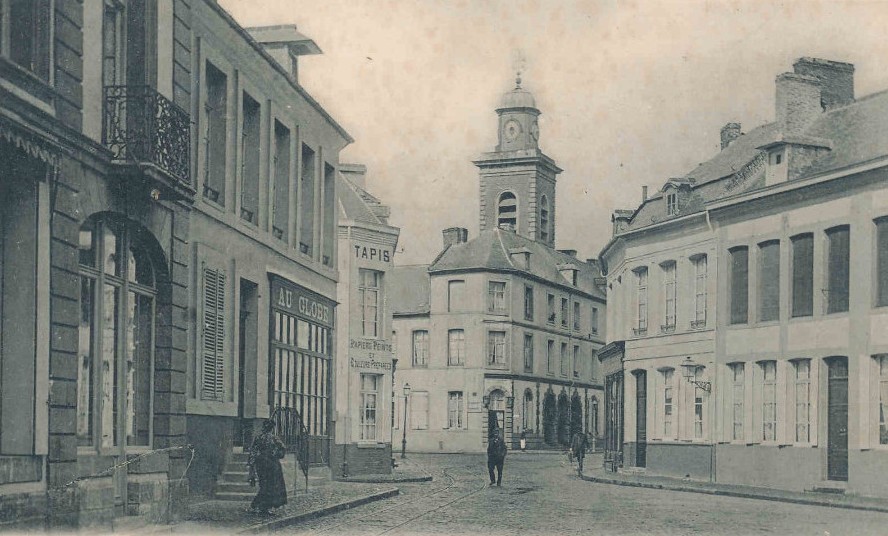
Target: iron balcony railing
142	126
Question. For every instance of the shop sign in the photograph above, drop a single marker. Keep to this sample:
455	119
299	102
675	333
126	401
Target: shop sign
302	302
370	344
369	363
374	253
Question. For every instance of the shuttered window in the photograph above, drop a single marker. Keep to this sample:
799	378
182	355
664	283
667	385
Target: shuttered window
739	285
802	275
212	384
838	268
769	281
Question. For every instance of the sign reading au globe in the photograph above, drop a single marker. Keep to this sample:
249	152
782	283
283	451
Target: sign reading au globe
302	302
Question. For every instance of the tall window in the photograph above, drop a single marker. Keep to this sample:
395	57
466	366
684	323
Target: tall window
25	34
250	145
700	281
369	288
769	281
838	268
455	410
802	388
420	348
739	285
455	295
802	275
738	396
882	261
769	400
507	210
328	213
528	302
564	311
369	397
668	295
564	359
306	203
641	300
698	404
576	361
116	336
550	357
576	317
281	197
882	363
496	348
456	347
550	309
216	135
113	45
594	320
672	204
496	297
419	410
667	403
528	352
544	219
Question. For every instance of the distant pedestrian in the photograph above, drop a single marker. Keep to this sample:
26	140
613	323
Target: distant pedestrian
496	456
578	445
523	440
265	464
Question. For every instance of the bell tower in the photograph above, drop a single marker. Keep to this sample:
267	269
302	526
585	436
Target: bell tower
517	179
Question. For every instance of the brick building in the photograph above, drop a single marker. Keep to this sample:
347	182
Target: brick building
780	382
499	332
124	244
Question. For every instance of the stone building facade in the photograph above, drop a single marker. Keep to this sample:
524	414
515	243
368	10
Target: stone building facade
787	372
499	332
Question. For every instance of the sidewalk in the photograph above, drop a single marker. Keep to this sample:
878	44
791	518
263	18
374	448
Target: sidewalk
595	473
406	471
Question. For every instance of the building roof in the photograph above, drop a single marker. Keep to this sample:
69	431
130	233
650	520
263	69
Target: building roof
411	294
494	249
357	204
517	98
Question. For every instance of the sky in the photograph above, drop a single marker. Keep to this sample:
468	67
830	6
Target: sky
631	92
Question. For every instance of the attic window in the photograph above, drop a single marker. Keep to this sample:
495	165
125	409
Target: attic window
778	159
672	204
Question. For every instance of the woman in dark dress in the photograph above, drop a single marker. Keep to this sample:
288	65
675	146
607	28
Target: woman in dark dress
265	455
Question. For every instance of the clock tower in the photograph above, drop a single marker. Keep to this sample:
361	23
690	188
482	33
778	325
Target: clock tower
517	179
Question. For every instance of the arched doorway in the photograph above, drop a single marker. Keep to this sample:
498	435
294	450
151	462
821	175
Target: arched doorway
550	416
496	412
563	419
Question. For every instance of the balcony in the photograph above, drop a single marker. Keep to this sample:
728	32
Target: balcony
146	132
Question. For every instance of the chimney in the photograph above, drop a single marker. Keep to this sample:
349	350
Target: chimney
455	235
284	43
644	193
834	78
571	252
797	102
620	219
356	173
729	133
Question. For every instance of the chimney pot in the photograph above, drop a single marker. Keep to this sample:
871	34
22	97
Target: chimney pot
834	78
729	133
644	193
797	102
455	235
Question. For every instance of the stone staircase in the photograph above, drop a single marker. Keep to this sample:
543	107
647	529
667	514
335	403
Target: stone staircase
232	484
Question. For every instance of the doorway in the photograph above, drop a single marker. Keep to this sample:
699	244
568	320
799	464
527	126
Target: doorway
837	419
640	418
247	353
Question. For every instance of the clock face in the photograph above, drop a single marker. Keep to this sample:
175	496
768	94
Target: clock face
535	130
511	130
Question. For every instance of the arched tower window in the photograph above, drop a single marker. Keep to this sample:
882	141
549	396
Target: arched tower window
544	219
507	210
116	334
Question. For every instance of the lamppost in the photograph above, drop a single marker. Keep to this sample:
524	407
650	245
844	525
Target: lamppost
404	437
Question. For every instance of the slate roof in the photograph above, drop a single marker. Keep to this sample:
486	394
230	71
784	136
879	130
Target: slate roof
858	133
357	204
411	294
491	249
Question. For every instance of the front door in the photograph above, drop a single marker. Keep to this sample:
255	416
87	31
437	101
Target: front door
613	421
837	420
641	418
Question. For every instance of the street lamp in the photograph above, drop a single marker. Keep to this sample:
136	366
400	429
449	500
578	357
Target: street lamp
404	438
689	371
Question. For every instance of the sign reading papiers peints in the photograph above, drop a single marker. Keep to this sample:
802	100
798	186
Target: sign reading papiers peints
301	302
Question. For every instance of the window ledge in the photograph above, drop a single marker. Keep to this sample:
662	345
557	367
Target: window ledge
370	445
30	84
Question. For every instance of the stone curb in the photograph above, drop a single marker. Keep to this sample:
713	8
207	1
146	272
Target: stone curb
739	494
381	480
279	523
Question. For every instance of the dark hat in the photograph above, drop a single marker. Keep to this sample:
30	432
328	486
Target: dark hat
267	424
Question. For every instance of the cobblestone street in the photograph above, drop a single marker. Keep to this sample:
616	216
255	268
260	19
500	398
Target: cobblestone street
542	495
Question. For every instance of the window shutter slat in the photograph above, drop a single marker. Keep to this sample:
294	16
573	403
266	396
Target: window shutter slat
212	384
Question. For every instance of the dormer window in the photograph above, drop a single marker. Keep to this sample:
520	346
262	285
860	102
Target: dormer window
672	204
507	211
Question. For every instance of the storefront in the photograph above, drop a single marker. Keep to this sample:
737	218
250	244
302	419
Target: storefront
300	363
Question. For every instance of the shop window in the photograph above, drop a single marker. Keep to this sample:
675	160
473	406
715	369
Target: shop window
420	348
369	289
456	347
370	384
838	268
739	281
116	335
802	275
455	410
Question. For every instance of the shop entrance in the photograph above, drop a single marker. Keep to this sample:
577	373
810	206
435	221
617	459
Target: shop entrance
837	419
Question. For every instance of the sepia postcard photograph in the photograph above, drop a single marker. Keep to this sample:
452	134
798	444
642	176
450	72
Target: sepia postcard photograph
434	267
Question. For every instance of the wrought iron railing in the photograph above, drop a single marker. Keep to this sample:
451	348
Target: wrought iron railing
141	125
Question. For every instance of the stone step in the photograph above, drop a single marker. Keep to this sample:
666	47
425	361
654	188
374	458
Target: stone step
240	487
235	476
235	496
239	457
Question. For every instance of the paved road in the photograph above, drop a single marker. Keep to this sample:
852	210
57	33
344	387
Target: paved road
542	495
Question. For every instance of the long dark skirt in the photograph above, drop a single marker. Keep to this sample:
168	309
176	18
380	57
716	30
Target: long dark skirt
272	489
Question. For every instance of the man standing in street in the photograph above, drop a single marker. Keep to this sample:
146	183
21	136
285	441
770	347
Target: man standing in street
578	444
496	456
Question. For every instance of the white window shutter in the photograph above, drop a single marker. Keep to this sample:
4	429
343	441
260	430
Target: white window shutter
212	387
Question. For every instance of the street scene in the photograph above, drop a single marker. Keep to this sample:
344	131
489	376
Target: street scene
397	267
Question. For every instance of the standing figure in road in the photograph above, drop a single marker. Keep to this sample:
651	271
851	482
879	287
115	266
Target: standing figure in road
264	460
578	445
496	456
